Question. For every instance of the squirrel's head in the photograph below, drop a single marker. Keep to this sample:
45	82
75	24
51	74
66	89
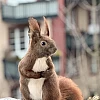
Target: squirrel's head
40	43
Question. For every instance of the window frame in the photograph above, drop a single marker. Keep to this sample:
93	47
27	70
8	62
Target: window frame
18	51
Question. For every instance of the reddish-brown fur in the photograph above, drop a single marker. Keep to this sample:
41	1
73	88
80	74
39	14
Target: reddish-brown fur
54	87
69	90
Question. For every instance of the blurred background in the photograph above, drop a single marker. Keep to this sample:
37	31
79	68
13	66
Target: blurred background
75	27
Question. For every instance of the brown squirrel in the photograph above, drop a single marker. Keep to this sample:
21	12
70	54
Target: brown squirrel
38	79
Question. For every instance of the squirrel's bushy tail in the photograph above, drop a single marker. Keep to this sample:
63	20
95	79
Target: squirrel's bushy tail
69	90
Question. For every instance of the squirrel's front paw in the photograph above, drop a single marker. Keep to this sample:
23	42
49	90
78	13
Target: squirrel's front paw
37	75
47	73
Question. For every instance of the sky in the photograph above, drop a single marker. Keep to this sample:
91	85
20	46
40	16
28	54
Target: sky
15	2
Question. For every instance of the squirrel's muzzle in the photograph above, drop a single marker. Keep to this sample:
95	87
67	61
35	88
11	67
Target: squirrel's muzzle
52	50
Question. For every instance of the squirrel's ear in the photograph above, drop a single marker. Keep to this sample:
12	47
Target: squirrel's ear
34	26
46	28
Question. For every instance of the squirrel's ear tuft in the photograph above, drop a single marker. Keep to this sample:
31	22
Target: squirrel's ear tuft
46	28
33	25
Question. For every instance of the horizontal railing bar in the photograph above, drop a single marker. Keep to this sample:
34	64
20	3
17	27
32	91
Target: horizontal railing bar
26	10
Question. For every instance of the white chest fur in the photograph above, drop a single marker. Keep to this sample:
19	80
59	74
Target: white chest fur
40	65
35	85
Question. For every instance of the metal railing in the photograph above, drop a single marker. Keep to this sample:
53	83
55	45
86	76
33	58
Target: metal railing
25	10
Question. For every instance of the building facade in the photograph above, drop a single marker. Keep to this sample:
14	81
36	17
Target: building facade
15	20
82	56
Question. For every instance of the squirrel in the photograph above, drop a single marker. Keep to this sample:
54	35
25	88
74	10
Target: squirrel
38	79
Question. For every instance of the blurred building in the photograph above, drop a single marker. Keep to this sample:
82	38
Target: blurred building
83	44
14	38
69	24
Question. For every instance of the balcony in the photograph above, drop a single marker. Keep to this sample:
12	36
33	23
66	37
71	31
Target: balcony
20	13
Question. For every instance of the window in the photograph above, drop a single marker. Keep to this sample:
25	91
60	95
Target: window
22	39
12	40
18	41
89	40
72	43
11	70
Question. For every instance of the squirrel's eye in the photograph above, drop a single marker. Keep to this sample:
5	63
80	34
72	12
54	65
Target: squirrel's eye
43	43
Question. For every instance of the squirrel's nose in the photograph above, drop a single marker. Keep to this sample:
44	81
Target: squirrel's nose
53	50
